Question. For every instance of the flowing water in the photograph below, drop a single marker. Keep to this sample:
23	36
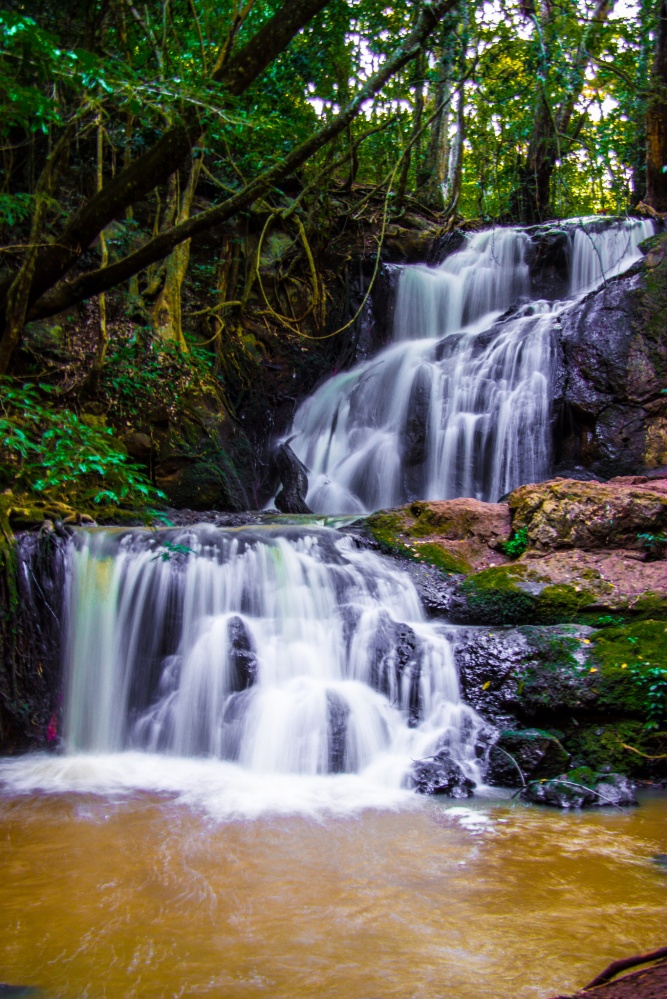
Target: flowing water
231	812
139	897
460	403
287	650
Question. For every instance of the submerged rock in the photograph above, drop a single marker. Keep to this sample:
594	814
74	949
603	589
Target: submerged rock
520	756
582	788
441	775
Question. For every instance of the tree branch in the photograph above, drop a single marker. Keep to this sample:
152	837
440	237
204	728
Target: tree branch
156	165
96	281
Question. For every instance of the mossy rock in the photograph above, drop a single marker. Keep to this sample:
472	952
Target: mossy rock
632	664
625	747
581	787
514	594
524	755
395	538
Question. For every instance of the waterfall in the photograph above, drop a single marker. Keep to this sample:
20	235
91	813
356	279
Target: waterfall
283	650
600	254
460	404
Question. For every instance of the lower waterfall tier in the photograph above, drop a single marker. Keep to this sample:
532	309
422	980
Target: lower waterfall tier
285	650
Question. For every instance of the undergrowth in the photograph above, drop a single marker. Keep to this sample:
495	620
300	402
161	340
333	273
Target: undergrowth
51	454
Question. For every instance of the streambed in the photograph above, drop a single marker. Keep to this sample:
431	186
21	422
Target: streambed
138	894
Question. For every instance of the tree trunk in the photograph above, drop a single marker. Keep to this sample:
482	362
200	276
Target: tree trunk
436	162
103	338
18	295
451	190
166	315
531	199
413	141
656	120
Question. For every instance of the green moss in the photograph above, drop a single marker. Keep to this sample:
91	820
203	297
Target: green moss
632	660
389	530
624	746
436	554
513	594
650	605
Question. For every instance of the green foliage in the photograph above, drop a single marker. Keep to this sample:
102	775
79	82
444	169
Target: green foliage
517	543
654	544
631	659
168	549
144	373
53	454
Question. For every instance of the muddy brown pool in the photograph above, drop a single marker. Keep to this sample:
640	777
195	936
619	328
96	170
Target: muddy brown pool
143	896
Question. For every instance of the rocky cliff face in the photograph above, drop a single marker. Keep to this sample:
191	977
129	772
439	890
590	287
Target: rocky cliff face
612	405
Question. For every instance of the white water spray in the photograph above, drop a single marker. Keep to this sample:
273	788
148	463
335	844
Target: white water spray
284	650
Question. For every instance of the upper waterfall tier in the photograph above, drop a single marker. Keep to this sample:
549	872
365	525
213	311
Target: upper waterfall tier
287	650
461	403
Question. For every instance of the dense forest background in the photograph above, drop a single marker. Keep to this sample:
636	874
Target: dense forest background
196	198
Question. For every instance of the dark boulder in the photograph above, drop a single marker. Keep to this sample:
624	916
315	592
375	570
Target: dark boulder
395	667
294	478
582	788
613	416
242	658
415	434
338	712
441	775
520	756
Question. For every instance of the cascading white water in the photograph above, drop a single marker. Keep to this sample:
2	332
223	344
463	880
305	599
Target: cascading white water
600	255
460	404
284	650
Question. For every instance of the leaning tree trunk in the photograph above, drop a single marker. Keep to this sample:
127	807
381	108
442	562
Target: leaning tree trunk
656	120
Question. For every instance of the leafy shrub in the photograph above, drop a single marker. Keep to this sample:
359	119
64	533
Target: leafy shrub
517	544
53	454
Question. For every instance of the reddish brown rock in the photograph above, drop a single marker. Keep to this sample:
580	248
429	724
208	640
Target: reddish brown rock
567	513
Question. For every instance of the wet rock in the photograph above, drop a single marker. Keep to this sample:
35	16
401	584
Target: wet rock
434	588
201	483
520	756
415	433
614	356
294	478
565	513
338	711
582	788
536	676
242	658
441	775
139	446
395	667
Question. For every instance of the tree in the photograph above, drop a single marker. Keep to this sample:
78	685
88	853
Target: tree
46	292
656	119
553	130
